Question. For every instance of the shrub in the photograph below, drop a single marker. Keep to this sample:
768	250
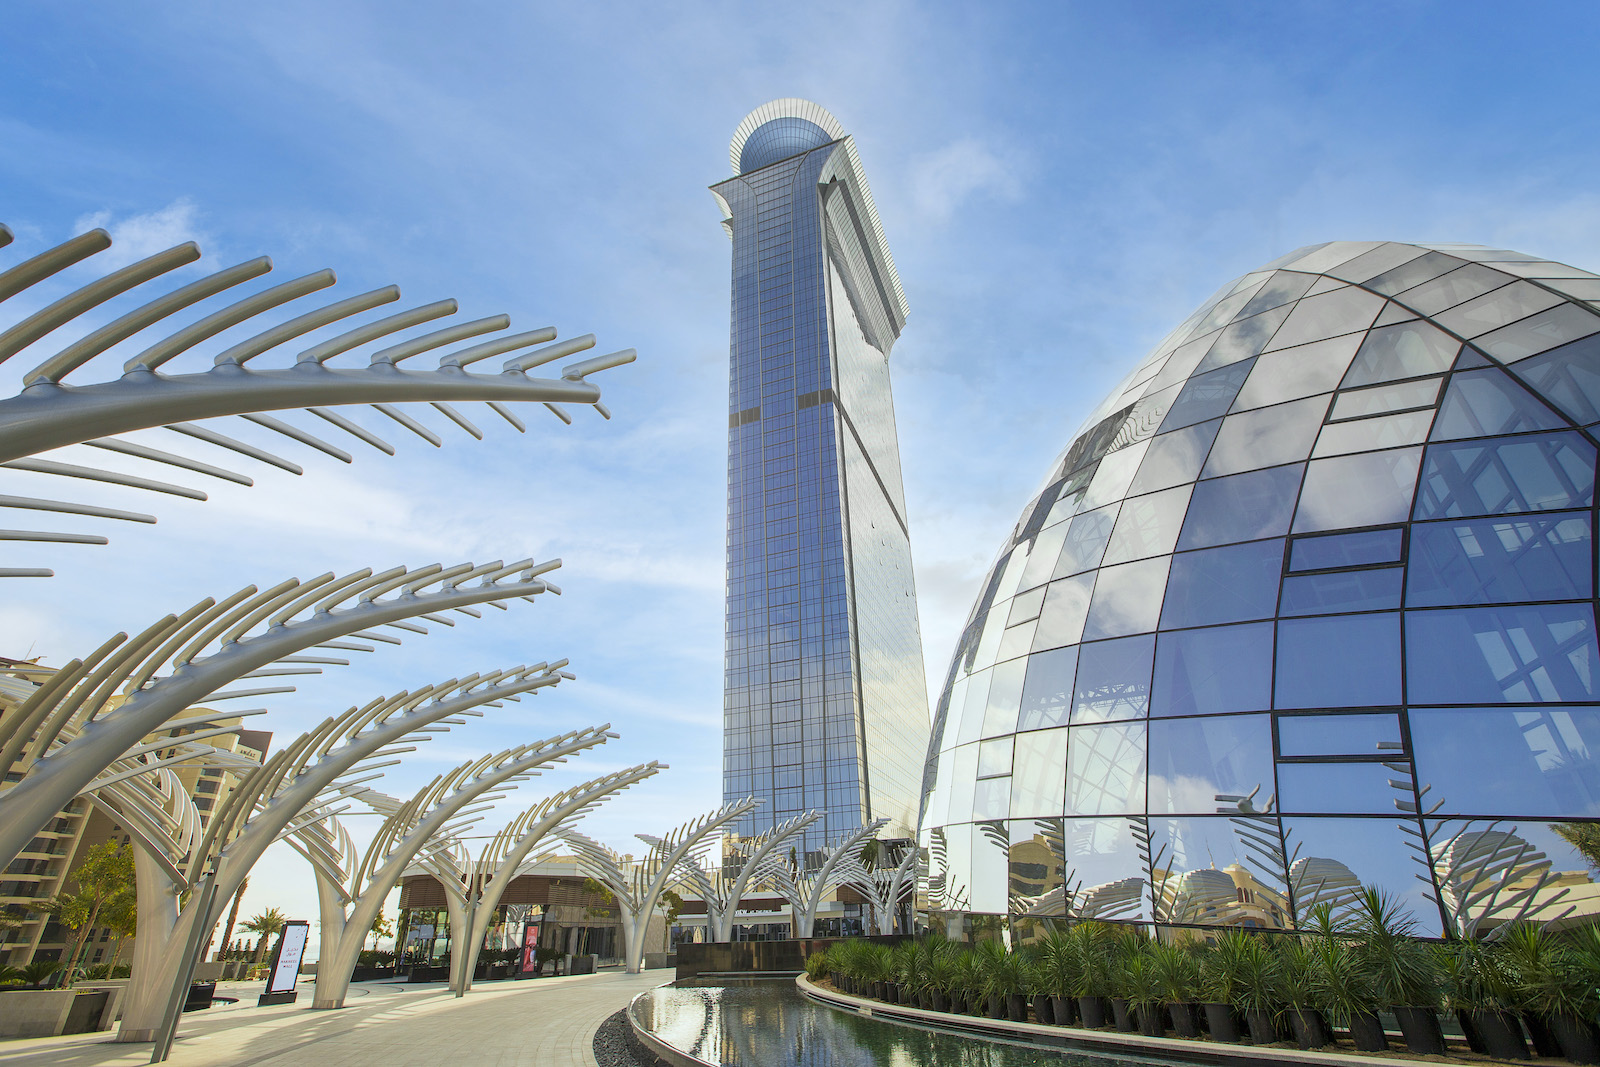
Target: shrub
817	966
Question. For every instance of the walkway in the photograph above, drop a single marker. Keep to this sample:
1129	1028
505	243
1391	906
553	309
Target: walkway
547	1021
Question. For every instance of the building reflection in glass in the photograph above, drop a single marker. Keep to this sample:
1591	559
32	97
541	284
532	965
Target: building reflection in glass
1307	605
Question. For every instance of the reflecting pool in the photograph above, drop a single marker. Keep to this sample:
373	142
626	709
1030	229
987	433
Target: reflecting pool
770	1023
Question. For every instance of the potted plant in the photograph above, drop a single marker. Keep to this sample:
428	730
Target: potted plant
970	980
1575	1002
1092	986
1177	972
943	975
1123	946
1403	973
1059	966
1301	986
999	976
1478	989
1535	964
1143	989
1256	988
1036	985
1345	990
1219	985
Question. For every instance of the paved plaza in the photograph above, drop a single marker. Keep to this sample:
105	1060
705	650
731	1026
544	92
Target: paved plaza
548	1021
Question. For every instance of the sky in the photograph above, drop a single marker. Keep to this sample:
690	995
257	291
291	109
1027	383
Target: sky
1060	183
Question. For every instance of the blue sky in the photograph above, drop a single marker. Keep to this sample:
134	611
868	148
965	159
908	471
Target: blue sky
1060	183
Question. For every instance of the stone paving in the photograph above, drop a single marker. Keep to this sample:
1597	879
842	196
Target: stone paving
547	1021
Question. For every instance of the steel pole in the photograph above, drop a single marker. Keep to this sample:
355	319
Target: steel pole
191	956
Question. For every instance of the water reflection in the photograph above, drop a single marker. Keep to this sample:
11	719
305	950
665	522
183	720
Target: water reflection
768	1023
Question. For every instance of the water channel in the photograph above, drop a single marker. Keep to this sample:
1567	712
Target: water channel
770	1023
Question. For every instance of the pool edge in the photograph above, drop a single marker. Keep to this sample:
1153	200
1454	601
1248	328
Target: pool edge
1043	1036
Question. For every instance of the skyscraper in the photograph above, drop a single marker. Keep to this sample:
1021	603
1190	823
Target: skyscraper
825	704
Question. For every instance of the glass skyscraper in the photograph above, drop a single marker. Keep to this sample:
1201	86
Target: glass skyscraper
1308	603
825	702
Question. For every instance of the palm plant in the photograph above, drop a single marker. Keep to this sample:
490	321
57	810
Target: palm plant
999	975
1400	972
944	975
1573	1016
969	981
1142	987
39	972
1177	973
264	926
879	961
1481	988
906	970
1303	987
9	975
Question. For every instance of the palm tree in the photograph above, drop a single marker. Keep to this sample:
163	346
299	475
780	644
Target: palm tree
233	919
264	926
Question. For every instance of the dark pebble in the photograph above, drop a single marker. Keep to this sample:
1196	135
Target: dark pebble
615	1045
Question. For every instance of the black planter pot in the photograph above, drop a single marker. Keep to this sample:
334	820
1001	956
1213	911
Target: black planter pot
1063	1011
1122	1015
1262	1029
1501	1034
1543	1038
1185	1019
1222	1021
1470	1029
1152	1020
1579	1040
1044	1013
1420	1027
1017	1007
1093	1011
940	1001
997	1006
1366	1031
1310	1028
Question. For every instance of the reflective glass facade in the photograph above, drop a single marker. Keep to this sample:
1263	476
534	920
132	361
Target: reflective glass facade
825	703
1308	603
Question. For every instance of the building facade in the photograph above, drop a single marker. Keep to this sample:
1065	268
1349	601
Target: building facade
46	868
825	703
1307	604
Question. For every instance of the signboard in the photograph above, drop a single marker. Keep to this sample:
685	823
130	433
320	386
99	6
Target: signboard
287	956
530	944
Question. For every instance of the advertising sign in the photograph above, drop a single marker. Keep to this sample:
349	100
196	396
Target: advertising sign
530	943
286	958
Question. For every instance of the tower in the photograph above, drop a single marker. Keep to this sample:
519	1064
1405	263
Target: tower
824	702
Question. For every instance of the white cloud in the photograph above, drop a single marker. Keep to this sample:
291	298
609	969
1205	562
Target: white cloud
136	236
942	181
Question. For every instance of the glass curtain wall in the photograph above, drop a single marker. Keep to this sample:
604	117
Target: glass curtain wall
823	659
1308	604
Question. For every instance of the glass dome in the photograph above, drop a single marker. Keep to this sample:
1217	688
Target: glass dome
1308	604
778	139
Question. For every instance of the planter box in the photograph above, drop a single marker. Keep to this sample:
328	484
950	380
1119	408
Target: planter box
116	987
49	1012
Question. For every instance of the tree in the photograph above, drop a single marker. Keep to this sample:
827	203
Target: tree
121	914
1583	836
381	927
674	909
233	919
264	926
105	873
